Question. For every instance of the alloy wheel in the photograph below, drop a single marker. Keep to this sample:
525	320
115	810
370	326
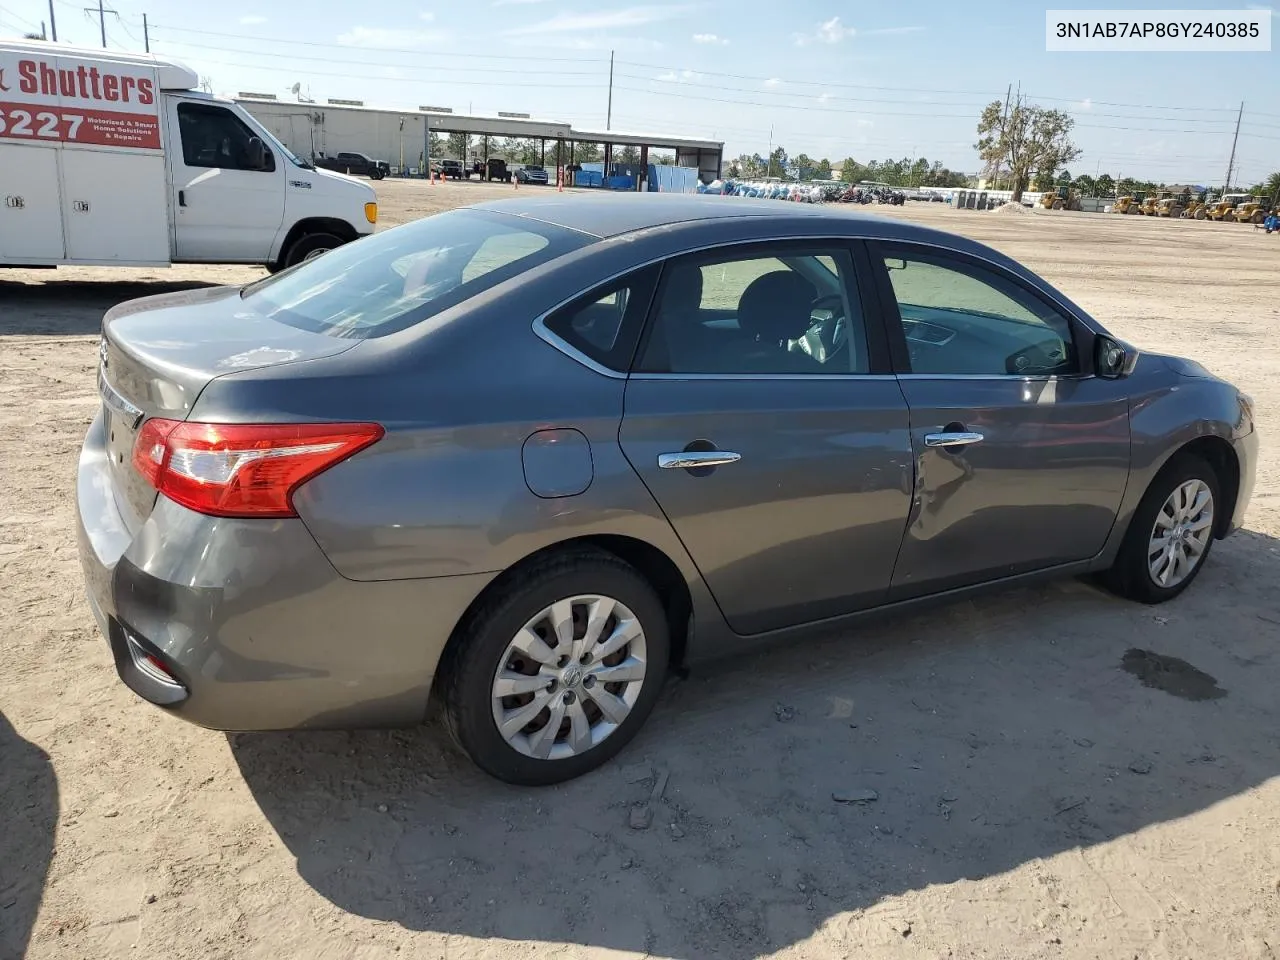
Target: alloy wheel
1181	533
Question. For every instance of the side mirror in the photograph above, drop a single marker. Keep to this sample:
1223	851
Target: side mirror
1113	359
257	154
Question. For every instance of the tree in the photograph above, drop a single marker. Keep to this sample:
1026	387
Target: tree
1086	185
1044	180
823	172
777	166
457	146
1026	138
1106	187
587	153
1272	187
805	165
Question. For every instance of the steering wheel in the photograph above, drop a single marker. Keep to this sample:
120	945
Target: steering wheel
827	336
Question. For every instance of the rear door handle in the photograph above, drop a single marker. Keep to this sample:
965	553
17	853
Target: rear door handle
687	459
952	439
182	198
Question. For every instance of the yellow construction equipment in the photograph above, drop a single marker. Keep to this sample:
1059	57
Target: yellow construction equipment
1149	204
1169	207
1253	210
1195	209
1223	210
1125	204
1064	198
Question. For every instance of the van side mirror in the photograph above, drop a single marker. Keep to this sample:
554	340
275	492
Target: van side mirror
258	157
1113	359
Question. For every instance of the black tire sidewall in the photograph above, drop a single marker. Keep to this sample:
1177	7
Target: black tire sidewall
469	686
309	243
1132	574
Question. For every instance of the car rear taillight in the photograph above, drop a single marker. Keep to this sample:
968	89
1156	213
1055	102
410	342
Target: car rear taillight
242	470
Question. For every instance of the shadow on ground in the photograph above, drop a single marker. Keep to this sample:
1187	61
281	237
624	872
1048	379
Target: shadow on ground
30	793
992	733
71	307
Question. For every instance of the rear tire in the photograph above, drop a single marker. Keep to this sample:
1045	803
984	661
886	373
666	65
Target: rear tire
308	246
1132	575
484	649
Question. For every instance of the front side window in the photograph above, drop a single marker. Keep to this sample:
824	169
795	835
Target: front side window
392	280
962	319
792	312
215	137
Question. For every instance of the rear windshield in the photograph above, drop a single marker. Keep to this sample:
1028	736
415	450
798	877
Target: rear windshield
392	280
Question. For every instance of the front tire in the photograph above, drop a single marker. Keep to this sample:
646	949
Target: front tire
309	246
556	671
1170	535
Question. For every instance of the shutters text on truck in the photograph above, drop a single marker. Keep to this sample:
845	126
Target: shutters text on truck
72	101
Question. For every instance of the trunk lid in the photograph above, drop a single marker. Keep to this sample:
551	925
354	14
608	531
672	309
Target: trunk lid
158	353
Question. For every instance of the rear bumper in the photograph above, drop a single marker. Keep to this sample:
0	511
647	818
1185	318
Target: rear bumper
255	627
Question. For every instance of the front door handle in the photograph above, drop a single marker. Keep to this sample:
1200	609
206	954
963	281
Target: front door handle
692	459
182	198
952	439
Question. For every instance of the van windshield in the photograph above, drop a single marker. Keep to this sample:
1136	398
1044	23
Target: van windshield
395	279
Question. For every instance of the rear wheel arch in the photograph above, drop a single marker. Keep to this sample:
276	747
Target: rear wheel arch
653	564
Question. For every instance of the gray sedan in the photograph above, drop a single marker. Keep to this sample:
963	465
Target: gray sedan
527	457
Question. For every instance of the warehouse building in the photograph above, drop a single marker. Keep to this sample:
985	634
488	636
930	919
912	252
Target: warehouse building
400	137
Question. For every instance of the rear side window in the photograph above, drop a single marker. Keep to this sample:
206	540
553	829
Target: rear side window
392	280
604	325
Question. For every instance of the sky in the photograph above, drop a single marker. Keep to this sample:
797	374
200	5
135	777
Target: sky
825	78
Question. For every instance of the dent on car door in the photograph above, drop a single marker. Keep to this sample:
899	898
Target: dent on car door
761	416
1022	456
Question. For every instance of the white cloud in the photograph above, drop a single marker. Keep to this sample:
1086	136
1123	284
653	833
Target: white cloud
773	82
710	38
866	123
829	31
890	31
1086	104
426	16
252	20
516	3
386	38
823	98
604	20
683	76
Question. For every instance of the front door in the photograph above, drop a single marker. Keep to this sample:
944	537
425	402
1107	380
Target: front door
1022	456
228	206
765	425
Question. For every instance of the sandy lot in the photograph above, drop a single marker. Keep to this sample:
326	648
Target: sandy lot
1034	799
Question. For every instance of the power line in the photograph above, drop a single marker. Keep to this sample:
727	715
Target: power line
345	46
524	71
21	20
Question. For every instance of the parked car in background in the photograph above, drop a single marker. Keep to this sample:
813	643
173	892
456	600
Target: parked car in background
355	164
532	173
407	466
453	169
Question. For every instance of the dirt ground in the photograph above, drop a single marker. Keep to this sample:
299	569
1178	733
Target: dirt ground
1034	798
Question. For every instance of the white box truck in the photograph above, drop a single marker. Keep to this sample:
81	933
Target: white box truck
115	158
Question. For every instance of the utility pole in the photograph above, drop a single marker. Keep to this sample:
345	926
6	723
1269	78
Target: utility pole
146	34
102	19
53	23
1231	164
1004	126
608	117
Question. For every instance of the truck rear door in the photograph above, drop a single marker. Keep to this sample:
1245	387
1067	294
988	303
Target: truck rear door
30	222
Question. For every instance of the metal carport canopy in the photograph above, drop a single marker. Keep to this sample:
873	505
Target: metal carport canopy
497	126
644	139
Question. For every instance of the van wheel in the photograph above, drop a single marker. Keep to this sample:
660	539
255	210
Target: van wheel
558	669
309	246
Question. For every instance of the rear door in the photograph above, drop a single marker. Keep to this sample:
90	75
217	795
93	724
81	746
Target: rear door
761	416
226	210
30	206
1022	455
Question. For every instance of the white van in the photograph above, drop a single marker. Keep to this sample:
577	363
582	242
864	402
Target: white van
115	158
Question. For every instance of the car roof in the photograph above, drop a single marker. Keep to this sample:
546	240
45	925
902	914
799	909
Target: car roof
604	215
